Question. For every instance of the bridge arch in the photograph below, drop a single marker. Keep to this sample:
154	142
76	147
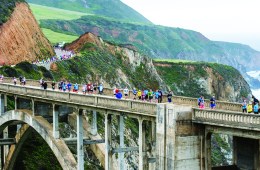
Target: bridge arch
44	129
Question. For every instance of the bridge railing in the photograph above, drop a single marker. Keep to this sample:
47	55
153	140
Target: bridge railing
226	118
220	105
88	99
231	106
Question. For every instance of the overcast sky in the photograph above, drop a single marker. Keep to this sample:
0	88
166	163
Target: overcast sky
221	20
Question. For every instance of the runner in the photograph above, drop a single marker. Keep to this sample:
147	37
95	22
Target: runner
244	107
160	96
53	85
76	88
100	89
24	81
95	85
134	93
64	87
150	95
84	88
202	103
69	86
169	96
14	80
139	94
126	92
213	102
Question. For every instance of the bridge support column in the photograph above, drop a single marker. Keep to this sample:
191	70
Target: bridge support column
207	150
5	149
55	122
140	142
122	144
94	123
160	137
151	164
1	105
33	108
108	154
80	147
15	102
5	103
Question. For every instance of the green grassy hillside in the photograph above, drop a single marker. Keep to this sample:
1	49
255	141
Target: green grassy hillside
43	12
106	8
154	41
6	9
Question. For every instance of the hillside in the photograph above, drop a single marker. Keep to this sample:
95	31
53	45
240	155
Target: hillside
198	78
121	65
106	8
21	38
161	42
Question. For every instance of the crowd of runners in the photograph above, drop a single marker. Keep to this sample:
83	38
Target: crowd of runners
155	96
61	54
97	88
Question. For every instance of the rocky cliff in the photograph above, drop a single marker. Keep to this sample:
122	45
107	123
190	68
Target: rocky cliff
197	78
22	39
114	65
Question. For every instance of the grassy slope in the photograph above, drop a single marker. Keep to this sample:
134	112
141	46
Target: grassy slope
55	37
107	8
42	12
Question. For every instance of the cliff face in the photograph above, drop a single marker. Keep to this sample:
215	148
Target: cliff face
22	39
207	79
114	65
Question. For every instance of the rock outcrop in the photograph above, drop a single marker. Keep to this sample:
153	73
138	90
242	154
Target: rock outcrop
22	39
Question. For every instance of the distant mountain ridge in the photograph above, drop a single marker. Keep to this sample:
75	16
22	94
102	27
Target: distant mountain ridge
161	42
106	8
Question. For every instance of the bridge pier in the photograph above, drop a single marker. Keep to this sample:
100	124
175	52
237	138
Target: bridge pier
151	160
80	147
108	140
140	142
15	102
121	161
160	137
55	122
94	123
207	148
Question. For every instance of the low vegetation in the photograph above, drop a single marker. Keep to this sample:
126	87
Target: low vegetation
6	9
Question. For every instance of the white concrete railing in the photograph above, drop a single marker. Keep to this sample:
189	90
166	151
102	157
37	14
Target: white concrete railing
221	105
95	100
227	118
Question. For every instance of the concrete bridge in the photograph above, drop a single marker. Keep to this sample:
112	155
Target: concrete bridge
170	136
